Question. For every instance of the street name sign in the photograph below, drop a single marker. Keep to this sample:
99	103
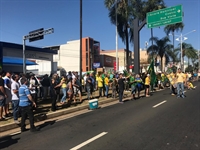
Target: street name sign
38	33
165	16
38	37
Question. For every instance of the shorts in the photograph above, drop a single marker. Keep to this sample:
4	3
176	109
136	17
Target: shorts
133	90
2	102
146	86
8	99
76	90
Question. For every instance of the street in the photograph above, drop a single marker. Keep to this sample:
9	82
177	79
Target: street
160	122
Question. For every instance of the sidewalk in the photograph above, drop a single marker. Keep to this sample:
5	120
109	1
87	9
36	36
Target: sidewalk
43	111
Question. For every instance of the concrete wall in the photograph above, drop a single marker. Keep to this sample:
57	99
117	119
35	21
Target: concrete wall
68	56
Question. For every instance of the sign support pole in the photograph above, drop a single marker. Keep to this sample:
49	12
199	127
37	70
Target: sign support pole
24	55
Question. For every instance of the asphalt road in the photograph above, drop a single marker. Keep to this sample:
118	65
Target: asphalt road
160	122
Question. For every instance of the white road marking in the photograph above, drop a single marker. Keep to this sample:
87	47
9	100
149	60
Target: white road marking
89	141
159	104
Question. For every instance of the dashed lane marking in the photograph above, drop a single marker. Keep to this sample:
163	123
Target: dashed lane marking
159	104
88	141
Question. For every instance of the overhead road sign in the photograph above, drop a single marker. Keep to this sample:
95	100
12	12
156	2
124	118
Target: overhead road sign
165	16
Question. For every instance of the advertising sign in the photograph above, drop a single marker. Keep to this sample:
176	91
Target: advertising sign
96	65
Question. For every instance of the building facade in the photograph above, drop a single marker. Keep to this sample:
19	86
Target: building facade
68	56
121	57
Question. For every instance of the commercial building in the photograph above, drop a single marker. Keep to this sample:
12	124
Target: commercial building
68	56
11	57
121	57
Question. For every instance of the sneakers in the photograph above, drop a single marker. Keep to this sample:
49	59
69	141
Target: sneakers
121	102
183	96
16	121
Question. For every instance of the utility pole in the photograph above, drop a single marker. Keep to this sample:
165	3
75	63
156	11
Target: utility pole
80	63
116	36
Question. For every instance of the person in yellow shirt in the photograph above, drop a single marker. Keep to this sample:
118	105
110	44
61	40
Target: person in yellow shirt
64	89
147	85
180	79
106	82
100	85
190	86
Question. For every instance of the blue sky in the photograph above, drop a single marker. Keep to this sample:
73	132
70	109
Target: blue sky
18	17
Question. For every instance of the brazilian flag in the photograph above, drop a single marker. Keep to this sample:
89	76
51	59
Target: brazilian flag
152	73
126	73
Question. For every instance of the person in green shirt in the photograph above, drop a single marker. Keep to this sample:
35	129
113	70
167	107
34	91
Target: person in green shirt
133	85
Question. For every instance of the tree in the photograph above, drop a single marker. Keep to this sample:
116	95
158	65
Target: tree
123	19
172	28
161	48
187	51
127	11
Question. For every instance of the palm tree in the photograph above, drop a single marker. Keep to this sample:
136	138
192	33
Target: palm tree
161	48
187	51
123	15
127	11
172	28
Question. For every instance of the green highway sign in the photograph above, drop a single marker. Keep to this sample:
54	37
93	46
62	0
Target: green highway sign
165	16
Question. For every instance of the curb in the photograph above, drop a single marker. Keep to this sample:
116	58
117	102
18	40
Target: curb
51	115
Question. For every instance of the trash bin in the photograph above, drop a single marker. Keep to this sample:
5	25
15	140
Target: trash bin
93	104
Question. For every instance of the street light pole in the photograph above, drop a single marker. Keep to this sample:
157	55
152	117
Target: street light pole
181	38
199	59
116	36
24	55
181	41
80	63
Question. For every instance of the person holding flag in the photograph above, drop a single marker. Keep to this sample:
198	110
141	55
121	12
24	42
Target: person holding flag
152	74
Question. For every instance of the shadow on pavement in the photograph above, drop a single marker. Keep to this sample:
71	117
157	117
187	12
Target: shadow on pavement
46	124
7	141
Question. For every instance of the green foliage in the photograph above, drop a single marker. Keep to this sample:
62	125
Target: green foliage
162	47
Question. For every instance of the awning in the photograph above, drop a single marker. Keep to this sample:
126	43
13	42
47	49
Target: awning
16	61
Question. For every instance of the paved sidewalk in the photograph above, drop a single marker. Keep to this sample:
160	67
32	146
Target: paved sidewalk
43	111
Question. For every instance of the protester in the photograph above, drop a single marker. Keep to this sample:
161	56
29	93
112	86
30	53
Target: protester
55	91
139	84
114	87
3	95
147	85
7	85
106	82
180	77
121	88
15	97
25	104
64	89
133	86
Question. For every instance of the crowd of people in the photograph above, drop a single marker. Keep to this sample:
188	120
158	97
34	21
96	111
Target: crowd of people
23	90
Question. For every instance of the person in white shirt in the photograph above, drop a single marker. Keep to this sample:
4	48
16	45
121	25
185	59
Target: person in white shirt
7	86
32	87
15	97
